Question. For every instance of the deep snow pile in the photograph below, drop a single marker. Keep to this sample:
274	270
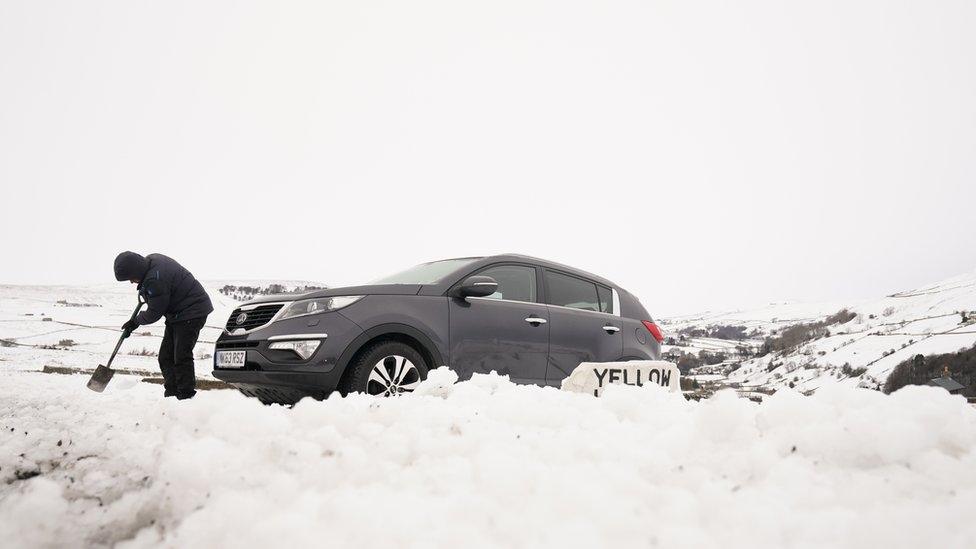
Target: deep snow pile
484	463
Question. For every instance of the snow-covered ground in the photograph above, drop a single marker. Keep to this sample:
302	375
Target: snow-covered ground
483	463
480	463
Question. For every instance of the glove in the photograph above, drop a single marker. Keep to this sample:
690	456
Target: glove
129	327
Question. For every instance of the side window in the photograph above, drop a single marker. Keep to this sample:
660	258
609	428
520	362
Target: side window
606	299
569	291
515	282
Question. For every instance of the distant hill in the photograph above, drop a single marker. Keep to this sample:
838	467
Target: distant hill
807	346
246	292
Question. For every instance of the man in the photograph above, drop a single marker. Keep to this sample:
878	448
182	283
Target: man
170	291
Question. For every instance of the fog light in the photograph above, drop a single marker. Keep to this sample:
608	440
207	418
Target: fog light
302	348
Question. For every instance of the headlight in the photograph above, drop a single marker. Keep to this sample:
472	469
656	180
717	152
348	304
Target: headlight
302	348
319	305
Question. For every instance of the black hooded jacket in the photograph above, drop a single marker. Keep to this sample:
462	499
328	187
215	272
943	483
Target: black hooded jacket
168	288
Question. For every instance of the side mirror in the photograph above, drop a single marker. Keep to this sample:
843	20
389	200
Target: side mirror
477	286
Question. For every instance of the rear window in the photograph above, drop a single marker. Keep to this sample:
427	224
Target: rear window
569	291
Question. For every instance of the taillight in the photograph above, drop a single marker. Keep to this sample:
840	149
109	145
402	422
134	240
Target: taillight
655	331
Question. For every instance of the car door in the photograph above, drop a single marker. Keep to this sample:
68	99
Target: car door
506	332
583	327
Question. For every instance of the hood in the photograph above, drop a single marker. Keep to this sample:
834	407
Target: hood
130	266
378	289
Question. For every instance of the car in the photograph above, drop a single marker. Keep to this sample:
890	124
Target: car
530	319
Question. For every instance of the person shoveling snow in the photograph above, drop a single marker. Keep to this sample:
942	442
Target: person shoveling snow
170	291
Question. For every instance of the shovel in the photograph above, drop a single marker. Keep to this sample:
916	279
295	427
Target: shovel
103	374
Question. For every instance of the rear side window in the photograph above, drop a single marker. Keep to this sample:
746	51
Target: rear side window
515	282
606	299
569	291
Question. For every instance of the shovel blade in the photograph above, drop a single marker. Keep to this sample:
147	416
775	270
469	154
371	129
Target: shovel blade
100	378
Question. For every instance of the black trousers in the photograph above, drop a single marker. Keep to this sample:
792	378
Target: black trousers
176	357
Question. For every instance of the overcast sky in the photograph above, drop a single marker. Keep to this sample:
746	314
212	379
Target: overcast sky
704	154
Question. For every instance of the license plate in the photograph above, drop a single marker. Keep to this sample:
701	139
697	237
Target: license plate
231	359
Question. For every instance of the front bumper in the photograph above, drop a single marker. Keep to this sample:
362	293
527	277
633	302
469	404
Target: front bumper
281	376
279	387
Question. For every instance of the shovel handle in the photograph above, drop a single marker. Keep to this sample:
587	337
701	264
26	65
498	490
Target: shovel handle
125	335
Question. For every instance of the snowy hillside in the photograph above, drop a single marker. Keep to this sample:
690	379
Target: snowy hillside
936	319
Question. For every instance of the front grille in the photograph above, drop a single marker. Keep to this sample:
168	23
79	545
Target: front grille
256	317
225	345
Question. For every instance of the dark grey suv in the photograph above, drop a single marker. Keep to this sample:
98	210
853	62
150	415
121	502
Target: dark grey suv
530	319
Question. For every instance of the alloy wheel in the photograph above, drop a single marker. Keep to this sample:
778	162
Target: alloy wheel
392	376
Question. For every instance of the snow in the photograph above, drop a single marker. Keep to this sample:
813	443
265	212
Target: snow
706	377
775	314
483	463
486	462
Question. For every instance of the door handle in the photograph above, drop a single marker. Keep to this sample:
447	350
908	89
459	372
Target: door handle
536	320
611	329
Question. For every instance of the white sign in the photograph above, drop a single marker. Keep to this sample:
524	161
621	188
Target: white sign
592	377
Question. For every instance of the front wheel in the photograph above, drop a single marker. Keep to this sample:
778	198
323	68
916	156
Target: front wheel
387	368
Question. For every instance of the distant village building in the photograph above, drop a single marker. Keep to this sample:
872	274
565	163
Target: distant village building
672	355
947	383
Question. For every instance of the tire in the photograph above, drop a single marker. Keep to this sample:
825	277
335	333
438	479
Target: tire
385	368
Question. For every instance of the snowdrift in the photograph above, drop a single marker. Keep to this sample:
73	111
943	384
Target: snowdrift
484	463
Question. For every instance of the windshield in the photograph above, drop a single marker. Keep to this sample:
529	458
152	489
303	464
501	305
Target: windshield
426	273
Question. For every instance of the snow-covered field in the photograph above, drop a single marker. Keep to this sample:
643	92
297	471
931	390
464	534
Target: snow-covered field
483	463
764	319
78	326
761	321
